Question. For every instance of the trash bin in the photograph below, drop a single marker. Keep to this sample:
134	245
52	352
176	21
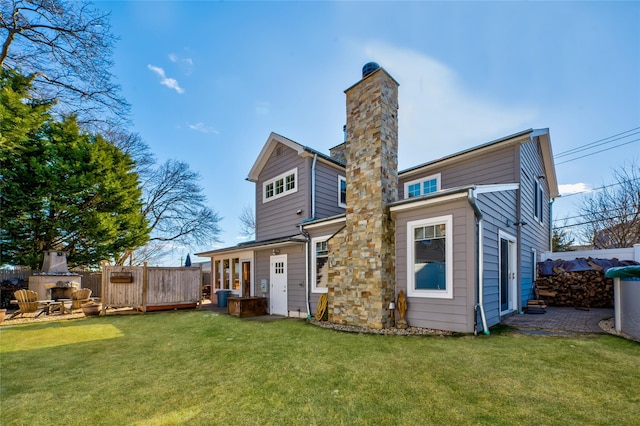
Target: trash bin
626	296
222	298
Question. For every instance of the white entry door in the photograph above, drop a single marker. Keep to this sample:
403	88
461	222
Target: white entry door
278	285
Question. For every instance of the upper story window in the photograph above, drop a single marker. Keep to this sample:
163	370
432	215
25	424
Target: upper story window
342	191
430	258
280	186
422	186
538	205
320	258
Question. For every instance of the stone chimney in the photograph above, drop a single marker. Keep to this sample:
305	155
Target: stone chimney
362	256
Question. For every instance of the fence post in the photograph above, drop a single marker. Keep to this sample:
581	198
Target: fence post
144	287
103	290
636	252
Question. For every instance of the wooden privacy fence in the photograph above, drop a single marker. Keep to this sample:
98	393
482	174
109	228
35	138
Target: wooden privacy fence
150	288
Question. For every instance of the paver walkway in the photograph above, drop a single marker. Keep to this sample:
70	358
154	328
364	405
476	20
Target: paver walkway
564	319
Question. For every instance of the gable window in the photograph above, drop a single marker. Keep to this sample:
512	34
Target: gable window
422	186
538	205
320	258
280	185
430	258
342	191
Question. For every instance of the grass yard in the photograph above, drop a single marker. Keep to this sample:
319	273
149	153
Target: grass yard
201	368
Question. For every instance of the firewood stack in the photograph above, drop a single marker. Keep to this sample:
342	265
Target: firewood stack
585	289
579	284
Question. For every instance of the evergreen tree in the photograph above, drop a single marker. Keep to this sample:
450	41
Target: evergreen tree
62	188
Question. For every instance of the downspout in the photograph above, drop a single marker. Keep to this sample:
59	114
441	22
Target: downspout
313	186
306	268
471	197
307	293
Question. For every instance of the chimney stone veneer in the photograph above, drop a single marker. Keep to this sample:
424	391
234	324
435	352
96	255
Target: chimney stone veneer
361	280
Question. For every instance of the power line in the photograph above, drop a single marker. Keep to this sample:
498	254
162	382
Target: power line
589	222
597	143
599	188
597	152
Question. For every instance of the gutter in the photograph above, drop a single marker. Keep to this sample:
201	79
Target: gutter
471	197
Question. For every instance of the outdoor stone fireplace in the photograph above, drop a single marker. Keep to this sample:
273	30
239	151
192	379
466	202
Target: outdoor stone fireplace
55	281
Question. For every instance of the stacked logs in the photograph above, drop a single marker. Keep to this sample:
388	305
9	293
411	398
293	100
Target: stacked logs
579	283
584	289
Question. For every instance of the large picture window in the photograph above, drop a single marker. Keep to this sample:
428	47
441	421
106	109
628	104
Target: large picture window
320	260
280	186
429	258
422	186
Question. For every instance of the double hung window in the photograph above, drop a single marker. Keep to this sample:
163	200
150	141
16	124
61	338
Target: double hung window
429	258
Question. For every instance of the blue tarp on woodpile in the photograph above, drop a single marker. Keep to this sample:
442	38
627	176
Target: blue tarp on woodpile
553	267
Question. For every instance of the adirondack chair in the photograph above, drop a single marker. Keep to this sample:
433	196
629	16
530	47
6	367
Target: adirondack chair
27	303
80	297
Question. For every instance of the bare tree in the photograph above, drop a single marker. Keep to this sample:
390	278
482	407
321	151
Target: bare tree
67	46
247	222
175	208
612	215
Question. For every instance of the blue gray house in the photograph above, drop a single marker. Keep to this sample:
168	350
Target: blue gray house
458	235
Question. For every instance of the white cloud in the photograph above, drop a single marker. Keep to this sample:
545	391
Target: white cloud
573	188
185	64
201	127
171	83
437	117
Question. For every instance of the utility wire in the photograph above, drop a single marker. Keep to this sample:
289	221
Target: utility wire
597	143
597	152
599	188
589	222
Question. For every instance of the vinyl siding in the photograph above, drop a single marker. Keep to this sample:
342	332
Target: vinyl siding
295	274
497	208
455	314
534	235
499	166
327	191
278	218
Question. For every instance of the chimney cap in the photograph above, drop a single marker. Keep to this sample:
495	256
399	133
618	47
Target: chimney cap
368	68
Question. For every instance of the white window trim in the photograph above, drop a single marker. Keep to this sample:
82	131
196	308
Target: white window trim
315	240
285	191
421	181
435	294
341	179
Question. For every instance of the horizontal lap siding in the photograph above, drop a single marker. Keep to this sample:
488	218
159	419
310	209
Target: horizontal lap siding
279	218
455	314
498	166
295	274
496	208
327	191
534	235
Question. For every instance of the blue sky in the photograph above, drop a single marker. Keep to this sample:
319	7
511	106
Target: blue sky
208	81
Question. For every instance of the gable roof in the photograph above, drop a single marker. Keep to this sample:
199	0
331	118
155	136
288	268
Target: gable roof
272	142
517	138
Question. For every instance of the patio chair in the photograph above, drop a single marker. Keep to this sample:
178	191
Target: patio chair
80	297
27	303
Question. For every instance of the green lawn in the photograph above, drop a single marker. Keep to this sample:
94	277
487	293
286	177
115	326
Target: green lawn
201	368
